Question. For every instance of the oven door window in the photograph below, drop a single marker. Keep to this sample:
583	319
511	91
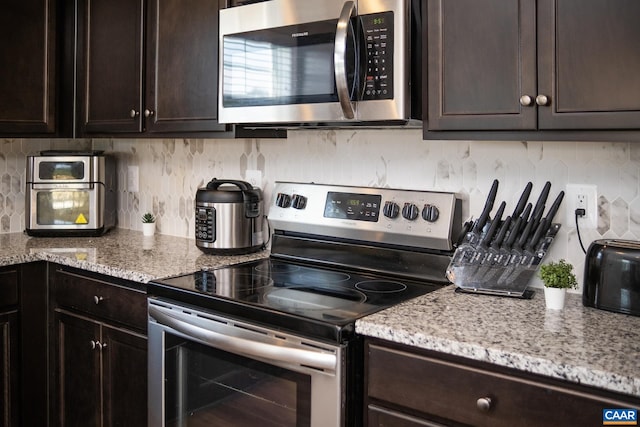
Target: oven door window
63	207
206	387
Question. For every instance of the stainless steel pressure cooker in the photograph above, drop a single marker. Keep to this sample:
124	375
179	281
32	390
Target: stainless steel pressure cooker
229	217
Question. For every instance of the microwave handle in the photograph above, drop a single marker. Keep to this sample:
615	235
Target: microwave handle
339	59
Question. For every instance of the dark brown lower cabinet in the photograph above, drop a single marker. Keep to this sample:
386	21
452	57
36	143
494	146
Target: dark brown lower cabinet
102	374
99	359
406	386
9	326
8	368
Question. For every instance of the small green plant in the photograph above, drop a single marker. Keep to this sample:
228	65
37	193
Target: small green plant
558	275
148	218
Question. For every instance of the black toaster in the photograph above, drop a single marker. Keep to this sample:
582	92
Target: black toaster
612	276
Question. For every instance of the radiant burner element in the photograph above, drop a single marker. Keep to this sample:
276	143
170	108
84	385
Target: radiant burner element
381	286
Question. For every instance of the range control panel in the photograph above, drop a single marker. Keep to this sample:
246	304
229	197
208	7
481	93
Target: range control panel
424	219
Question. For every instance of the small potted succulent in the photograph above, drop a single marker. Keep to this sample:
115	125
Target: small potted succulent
557	277
148	224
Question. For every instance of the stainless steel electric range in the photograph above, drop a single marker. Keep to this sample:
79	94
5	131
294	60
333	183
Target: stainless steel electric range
272	341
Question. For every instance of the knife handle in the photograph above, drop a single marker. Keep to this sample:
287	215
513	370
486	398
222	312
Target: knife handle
554	207
524	197
542	199
488	205
494	225
501	233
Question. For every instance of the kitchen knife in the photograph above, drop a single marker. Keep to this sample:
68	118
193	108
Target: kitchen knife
530	251
482	249
495	254
465	253
542	199
524	197
488	205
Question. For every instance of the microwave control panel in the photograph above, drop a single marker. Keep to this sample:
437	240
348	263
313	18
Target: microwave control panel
378	33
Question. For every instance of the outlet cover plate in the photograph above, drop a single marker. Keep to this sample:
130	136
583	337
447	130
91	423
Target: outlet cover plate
590	192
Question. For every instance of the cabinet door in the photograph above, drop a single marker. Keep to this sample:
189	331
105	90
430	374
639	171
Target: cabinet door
481	59
182	66
589	57
110	65
8	369
124	361
77	372
27	74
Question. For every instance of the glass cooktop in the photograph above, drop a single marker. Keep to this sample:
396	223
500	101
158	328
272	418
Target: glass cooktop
298	297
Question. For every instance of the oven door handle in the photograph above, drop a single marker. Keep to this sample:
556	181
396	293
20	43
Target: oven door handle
242	346
340	60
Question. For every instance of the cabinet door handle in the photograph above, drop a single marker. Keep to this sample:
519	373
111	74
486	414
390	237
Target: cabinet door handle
148	113
484	404
97	299
133	114
97	345
542	100
526	101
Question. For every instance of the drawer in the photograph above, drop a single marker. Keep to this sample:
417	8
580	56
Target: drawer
8	288
100	299
475	396
381	417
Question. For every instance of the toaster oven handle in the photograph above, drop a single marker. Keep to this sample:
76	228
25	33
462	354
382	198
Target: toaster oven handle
339	59
243	346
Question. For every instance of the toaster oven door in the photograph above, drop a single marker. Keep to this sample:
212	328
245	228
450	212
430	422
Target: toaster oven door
65	208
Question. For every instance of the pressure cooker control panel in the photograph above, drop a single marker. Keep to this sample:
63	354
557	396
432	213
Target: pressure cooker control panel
205	224
414	218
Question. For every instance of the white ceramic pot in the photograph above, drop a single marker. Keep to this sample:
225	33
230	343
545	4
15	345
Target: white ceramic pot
554	298
148	228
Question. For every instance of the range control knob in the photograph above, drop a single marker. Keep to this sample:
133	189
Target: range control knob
298	201
391	209
430	213
283	200
410	211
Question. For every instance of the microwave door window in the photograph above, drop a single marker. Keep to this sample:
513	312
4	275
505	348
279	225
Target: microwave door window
280	66
63	208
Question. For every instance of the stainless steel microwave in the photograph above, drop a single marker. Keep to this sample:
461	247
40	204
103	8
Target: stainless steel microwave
314	62
70	194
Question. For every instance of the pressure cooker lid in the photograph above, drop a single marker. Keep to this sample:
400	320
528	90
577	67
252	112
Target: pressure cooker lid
232	191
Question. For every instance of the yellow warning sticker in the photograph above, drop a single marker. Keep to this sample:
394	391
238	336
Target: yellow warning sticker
81	219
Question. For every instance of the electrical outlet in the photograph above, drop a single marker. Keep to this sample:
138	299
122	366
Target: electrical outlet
254	177
133	179
582	196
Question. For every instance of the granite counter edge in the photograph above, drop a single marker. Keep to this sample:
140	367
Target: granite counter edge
610	381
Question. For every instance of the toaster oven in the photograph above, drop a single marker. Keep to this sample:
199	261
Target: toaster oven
612	276
70	194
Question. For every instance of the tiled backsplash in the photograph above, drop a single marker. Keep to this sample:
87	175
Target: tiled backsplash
171	171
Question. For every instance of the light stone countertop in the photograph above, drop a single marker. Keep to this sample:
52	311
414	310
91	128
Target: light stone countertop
579	344
120	253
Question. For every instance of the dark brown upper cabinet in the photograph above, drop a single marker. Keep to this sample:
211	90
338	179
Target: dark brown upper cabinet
28	72
148	67
546	69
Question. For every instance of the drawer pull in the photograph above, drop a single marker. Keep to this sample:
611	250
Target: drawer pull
484	404
97	345
97	299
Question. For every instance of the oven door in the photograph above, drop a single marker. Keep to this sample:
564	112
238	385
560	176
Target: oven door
209	370
65	207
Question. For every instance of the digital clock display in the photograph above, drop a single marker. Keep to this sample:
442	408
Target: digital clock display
378	21
358	207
